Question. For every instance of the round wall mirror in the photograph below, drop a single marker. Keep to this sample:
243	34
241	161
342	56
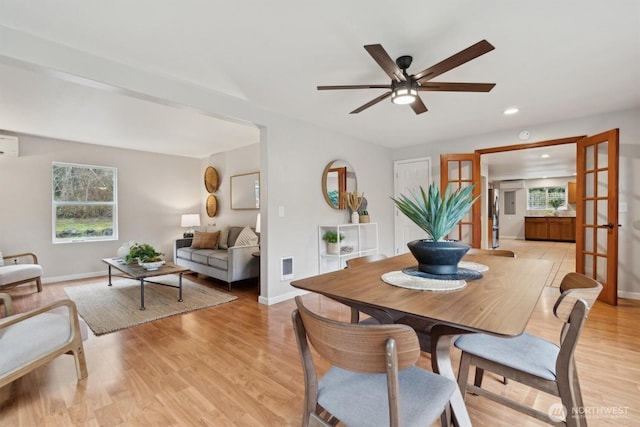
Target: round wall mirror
337	178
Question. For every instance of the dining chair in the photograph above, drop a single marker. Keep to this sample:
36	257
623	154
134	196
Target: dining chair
373	379
354	262
492	252
534	361
421	326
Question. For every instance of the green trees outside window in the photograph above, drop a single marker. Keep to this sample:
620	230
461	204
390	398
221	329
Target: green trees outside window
84	203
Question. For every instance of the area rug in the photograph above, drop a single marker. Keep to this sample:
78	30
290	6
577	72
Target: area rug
112	308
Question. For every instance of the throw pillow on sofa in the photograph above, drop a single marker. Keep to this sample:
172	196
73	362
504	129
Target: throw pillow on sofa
202	240
224	238
247	237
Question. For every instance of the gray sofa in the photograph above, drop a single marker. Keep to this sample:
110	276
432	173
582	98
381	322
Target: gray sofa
227	264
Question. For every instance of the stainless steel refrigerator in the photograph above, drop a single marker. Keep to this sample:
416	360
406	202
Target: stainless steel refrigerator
494	216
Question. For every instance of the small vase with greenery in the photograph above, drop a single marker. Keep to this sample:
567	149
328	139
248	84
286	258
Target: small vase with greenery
333	238
437	215
555	204
143	253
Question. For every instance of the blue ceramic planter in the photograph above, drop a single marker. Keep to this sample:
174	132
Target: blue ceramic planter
438	257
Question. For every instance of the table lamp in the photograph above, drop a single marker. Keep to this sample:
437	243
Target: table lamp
189	220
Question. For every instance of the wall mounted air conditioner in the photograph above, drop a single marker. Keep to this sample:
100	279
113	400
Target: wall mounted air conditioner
512	185
8	145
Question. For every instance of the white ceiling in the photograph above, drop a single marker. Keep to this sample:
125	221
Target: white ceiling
554	60
529	163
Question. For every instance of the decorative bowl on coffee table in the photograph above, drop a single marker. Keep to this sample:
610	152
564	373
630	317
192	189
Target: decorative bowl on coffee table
151	266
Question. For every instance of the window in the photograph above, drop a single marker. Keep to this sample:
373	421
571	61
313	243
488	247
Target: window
541	198
84	203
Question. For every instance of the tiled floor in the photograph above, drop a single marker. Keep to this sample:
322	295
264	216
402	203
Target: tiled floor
562	254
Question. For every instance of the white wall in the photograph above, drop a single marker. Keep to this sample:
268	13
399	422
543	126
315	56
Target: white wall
153	191
236	162
295	156
627	121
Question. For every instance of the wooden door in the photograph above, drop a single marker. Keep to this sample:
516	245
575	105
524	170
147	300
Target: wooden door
463	170
597	211
409	176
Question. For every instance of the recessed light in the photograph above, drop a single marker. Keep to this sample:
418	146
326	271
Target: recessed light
544	156
510	111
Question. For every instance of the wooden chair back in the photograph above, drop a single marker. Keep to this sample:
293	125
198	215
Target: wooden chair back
492	252
358	348
574	287
364	259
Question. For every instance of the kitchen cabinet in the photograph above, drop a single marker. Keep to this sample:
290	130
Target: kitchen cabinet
536	228
571	193
559	229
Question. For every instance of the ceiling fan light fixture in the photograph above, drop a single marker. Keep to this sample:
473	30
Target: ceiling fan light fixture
404	93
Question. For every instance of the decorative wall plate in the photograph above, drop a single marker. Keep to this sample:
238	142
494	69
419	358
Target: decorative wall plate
211	179
212	205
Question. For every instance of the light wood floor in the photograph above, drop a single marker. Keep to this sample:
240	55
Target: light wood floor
237	364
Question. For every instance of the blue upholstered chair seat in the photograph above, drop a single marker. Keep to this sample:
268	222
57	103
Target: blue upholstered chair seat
361	399
526	352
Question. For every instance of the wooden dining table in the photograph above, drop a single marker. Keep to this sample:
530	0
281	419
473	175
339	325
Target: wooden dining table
500	303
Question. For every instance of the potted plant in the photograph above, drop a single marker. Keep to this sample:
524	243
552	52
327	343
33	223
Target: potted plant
145	255
555	204
364	217
333	241
437	215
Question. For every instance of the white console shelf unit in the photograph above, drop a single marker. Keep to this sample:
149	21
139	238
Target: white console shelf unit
359	239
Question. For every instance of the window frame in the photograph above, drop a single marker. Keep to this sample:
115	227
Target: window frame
56	203
565	202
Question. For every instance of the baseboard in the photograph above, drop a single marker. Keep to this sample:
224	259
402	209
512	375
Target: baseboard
73	277
281	298
628	294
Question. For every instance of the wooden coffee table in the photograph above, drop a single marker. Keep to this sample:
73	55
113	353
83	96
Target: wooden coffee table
137	272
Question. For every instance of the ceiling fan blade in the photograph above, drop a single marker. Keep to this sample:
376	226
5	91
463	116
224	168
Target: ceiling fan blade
418	106
385	62
453	61
371	103
455	87
354	87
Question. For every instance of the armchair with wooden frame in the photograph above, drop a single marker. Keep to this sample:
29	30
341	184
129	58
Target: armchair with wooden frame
14	271
31	339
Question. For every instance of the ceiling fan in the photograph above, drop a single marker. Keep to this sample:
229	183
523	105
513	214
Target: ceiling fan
404	87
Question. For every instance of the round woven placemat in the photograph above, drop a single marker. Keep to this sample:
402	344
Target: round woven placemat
408	281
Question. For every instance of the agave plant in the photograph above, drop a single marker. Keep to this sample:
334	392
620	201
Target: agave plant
436	214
